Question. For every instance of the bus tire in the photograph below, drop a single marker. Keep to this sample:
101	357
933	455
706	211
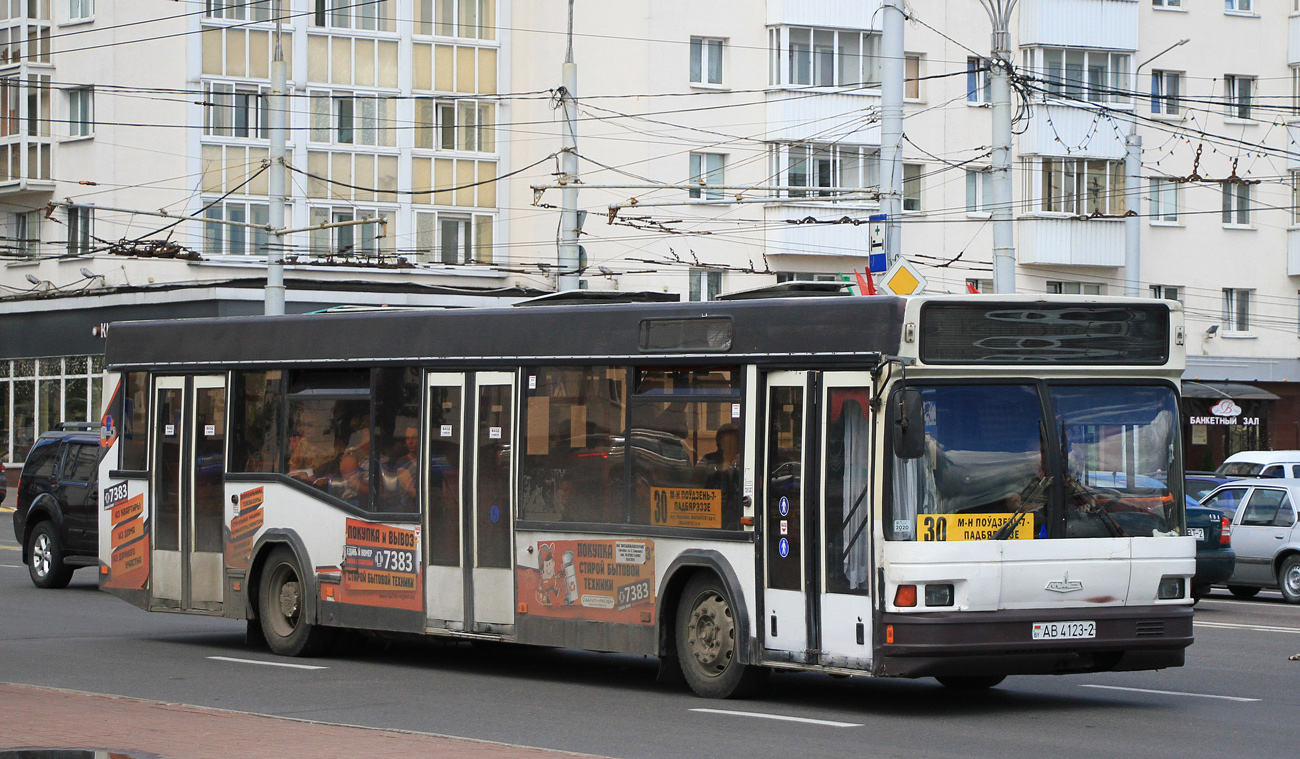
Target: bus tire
1288	579
706	642
970	682
1243	591
281	608
45	558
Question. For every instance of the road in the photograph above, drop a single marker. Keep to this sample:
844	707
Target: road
1236	696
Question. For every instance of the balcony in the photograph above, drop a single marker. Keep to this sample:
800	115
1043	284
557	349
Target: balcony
1070	242
835	14
794	116
1100	24
1067	131
845	239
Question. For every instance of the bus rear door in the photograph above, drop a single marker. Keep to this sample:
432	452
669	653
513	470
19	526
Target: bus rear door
188	462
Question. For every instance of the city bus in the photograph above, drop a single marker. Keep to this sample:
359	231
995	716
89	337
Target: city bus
957	487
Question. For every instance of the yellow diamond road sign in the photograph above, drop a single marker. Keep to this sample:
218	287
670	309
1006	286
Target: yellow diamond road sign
903	279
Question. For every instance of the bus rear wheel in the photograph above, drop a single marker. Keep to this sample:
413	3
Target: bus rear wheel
281	607
706	642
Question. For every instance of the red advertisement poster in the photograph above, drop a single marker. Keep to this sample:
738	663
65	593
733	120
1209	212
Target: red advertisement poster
381	566
600	580
128	566
243	528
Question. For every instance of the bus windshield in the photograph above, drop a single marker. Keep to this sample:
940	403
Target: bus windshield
1075	461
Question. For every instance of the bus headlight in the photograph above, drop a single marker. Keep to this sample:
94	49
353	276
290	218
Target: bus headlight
1170	587
938	595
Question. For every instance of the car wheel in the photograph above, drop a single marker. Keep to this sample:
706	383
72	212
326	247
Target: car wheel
1288	579
970	682
282	609
1243	591
45	558
707	644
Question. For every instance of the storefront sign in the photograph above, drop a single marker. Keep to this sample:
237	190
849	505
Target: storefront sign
1225	412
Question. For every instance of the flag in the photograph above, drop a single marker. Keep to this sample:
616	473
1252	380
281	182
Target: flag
970	287
865	286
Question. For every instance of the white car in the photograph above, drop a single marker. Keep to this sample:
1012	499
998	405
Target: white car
1265	535
1261	464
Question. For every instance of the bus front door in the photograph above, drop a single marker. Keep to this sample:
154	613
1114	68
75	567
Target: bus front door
444	495
843	601
786	610
188	462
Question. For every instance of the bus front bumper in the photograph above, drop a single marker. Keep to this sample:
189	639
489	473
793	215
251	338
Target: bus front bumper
1002	642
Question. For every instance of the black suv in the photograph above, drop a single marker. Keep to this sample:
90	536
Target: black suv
56	518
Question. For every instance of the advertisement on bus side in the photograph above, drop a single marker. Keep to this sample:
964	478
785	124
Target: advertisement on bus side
381	566
598	580
243	527
128	566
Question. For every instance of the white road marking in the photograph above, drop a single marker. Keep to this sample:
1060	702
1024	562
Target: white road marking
1257	628
267	663
1173	693
779	717
14	566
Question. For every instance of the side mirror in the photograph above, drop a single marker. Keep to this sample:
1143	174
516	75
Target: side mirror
909	425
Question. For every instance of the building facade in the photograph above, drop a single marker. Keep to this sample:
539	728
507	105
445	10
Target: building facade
722	146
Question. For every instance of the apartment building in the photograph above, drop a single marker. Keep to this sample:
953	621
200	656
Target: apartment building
723	146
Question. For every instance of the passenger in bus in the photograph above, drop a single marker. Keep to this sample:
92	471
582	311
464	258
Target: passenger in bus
353	482
310	451
406	469
721	468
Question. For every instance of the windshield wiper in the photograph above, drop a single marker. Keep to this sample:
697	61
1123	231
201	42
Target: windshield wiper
1033	492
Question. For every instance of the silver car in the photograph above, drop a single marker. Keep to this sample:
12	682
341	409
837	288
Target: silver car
1264	534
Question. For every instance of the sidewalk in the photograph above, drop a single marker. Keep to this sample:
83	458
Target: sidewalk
54	718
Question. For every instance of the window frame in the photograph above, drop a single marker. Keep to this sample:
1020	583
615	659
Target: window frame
1053	66
913	187
1238	105
80	103
979	85
703	51
1163	200
712	169
1166	92
1236	316
1235	211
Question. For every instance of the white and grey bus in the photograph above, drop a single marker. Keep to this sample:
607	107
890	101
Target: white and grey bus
954	487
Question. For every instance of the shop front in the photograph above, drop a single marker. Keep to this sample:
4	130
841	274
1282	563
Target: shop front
1222	418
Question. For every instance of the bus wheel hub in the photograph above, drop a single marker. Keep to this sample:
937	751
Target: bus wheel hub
712	632
289	595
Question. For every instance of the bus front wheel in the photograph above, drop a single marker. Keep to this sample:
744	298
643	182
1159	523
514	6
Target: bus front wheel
706	642
282	609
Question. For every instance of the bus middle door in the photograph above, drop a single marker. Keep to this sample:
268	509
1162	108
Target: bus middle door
787	609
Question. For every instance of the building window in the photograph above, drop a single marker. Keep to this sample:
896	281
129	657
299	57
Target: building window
707	169
26	233
462	125
1240	6
912	76
1164	92
1236	203
979	286
705	284
235	110
1295	195
37	394
706	60
1167	292
235	10
1092	75
823	57
345	119
977	191
1295	88
80	221
471	19
977	81
81	112
1074	288
912	186
822	165
1237	91
1164	200
81	10
353	240
453	238
232	240
1082	187
1167	3
372	15
1236	310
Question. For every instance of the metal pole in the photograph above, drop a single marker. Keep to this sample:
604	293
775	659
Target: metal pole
1004	245
892	73
568	278
275	291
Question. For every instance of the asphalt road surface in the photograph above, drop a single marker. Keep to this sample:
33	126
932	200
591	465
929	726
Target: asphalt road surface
1235	698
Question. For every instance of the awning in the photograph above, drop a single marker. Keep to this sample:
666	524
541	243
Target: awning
1234	390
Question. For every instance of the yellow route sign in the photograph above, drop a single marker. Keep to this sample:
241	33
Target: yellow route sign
951	527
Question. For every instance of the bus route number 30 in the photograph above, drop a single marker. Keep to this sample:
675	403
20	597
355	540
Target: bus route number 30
934	528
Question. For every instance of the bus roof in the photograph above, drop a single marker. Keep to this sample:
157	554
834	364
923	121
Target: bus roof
819	331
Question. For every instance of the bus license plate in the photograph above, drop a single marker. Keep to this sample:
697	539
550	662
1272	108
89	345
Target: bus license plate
1064	630
1196	532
